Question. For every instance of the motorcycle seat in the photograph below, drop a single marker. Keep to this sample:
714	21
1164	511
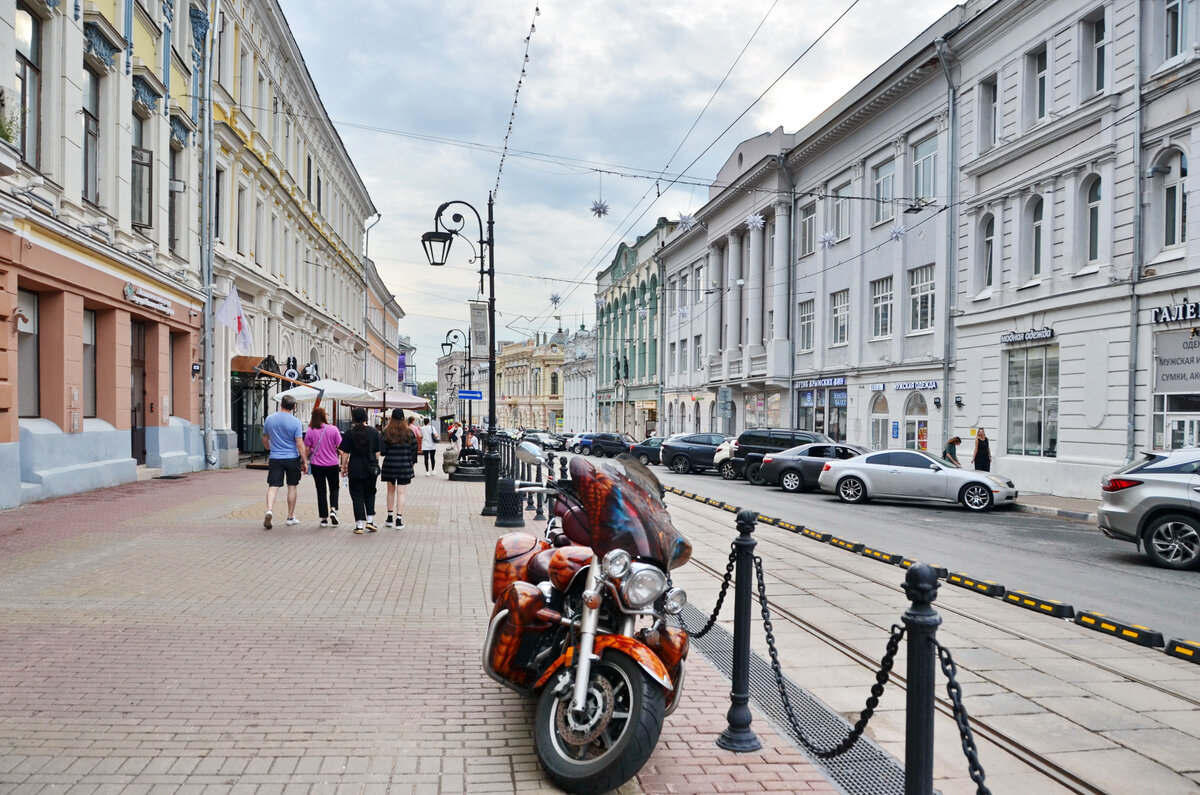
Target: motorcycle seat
538	568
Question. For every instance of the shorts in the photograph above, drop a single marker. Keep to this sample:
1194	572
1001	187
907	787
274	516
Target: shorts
278	467
398	481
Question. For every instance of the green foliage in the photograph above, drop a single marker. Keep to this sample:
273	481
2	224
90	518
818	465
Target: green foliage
427	390
10	124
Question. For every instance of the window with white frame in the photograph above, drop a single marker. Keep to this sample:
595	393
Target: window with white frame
698	352
884	179
176	198
28	87
141	179
671	290
1092	220
808	229
925	169
989	113
921	298
1037	85
987	251
28	370
1096	41
881	308
839	317
698	284
805	315
670	358
260	231
245	87
89	363
1037	211
683	355
91	135
841	211
1175	200
219	205
1033	402
240	211
1173	28
683	292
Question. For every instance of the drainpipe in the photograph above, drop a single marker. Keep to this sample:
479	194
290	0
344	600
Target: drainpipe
951	228
781	160
206	241
1138	259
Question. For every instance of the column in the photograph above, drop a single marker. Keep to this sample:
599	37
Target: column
733	294
158	374
10	431
757	295
712	333
112	367
60	344
779	349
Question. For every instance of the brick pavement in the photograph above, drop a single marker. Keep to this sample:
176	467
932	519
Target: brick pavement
155	638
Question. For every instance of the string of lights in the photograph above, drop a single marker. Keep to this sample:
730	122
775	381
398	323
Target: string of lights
537	12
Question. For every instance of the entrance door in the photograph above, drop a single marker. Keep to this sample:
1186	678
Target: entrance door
137	390
1184	432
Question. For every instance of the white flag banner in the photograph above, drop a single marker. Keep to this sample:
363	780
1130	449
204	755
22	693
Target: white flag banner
231	315
479	329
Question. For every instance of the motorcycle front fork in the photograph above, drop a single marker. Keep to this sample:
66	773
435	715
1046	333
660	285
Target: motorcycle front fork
587	638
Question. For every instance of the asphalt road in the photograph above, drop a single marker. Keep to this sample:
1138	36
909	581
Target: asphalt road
1050	558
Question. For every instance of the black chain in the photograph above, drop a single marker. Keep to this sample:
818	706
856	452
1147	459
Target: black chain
954	690
720	597
881	679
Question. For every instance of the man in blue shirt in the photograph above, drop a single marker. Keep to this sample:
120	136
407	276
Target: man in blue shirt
283	436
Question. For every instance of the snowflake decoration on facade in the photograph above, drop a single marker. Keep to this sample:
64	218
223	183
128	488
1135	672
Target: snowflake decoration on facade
643	312
755	221
599	302
599	208
897	232
827	240
687	222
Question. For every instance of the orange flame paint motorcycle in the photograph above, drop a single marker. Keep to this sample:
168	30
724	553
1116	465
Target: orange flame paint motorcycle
580	621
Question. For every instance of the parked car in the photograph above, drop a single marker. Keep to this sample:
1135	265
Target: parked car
764	440
724	453
546	441
914	475
647	451
577	442
797	468
603	444
1155	503
690	452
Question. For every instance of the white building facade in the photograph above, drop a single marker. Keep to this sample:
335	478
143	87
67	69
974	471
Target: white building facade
579	382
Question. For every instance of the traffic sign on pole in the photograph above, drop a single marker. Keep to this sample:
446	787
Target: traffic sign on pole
470	394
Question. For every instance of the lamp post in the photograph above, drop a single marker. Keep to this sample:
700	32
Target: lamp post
453	336
437	249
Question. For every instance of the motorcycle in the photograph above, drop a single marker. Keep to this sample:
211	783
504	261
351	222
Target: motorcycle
580	620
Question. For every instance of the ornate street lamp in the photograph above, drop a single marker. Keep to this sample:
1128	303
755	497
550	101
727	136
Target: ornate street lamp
460	337
437	250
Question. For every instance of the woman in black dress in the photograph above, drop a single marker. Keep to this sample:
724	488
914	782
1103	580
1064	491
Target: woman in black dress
399	450
983	452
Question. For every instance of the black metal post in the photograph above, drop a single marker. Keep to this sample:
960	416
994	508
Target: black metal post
491	458
541	514
527	474
921	622
738	736
562	467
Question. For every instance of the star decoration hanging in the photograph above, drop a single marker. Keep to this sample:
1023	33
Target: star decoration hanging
687	222
897	232
599	208
755	221
555	299
827	240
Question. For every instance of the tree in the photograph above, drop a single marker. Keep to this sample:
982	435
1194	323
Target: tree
428	390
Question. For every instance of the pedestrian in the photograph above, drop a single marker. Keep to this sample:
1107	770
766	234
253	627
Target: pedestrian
983	452
283	436
411	422
470	449
399	441
950	454
429	440
360	464
322	441
453	433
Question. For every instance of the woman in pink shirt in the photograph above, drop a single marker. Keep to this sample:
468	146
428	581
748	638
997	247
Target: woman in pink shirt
322	441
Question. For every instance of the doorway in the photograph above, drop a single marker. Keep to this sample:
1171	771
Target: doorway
137	390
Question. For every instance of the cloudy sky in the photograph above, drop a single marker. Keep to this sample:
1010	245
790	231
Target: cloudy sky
614	94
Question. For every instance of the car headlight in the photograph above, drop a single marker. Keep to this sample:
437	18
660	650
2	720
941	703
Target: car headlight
674	601
643	586
616	564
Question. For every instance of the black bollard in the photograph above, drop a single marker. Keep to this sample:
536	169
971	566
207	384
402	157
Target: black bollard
562	468
508	504
921	622
528	475
540	515
738	736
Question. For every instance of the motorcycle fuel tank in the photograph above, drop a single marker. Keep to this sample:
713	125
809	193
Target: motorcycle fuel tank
513	553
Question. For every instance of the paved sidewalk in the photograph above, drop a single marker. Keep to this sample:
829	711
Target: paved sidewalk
1062	507
155	638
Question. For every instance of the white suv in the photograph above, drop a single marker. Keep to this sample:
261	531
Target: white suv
1155	503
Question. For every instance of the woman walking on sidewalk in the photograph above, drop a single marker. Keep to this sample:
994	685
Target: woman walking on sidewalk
429	440
360	464
322	441
399	442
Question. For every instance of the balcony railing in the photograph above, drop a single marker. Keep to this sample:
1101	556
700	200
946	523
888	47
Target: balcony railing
758	364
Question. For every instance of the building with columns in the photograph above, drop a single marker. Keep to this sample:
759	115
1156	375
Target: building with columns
529	382
579	382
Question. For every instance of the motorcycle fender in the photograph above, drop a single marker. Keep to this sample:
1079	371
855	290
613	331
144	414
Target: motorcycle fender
511	558
635	650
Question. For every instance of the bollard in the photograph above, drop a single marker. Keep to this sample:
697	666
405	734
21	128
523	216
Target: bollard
562	468
921	622
508	504
540	515
738	736
527	476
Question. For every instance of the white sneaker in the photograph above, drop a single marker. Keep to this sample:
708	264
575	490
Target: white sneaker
324	523
291	520
267	520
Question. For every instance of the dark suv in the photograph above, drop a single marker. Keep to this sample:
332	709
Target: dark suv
609	444
688	452
754	443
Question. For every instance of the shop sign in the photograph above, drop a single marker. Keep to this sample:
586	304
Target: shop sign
1034	334
1172	314
878	387
724	402
136	295
1176	363
838	381
646	404
895	429
907	385
605	396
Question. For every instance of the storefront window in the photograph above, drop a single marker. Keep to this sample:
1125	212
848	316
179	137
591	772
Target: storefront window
880	422
805	412
837	415
1176	421
1033	402
916	424
89	363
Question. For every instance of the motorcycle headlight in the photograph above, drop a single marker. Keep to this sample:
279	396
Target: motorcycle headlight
616	564
643	586
674	601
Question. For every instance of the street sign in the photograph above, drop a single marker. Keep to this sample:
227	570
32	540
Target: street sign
470	394
724	402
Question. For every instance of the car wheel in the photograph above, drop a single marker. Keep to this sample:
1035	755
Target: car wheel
791	482
597	452
851	489
645	459
727	470
681	465
1172	541
587	450
576	449
754	475
976	497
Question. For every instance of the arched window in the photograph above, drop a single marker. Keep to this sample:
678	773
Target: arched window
916	422
880	422
652	325
1092	220
554	383
1174	199
1036	231
987	251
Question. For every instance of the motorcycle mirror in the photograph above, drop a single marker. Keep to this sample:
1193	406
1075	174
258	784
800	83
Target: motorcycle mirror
529	453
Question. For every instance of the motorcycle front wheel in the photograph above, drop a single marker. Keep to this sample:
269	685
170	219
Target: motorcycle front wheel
607	745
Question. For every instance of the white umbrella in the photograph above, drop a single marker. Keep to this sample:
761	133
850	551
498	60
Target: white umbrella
389	399
334	390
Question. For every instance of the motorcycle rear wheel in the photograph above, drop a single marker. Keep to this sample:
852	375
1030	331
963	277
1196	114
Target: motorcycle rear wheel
627	707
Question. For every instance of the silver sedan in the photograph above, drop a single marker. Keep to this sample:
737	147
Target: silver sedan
913	475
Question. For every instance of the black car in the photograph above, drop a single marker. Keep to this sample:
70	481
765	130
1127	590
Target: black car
609	444
688	452
798	468
647	451
763	441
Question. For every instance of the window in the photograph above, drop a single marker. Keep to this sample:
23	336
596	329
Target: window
987	252
925	169
318	191
808	229
1093	221
839	317
697	352
880	422
916	424
89	363
804	324
91	135
1173	24
1037	86
989	113
1033	402
219	205
245	97
1175	201
671	359
841	212
554	384
1096	41
240	209
28	87
219	55
881	308
683	293
885	180
698	285
260	252
921	296
28	371
308	175
1036	226
175	200
141	181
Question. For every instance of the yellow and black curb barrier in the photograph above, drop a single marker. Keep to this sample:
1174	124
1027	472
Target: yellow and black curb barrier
852	546
816	535
1135	633
985	587
942	571
1050	607
1184	650
886	557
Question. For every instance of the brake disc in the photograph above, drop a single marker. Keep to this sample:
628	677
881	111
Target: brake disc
600	701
